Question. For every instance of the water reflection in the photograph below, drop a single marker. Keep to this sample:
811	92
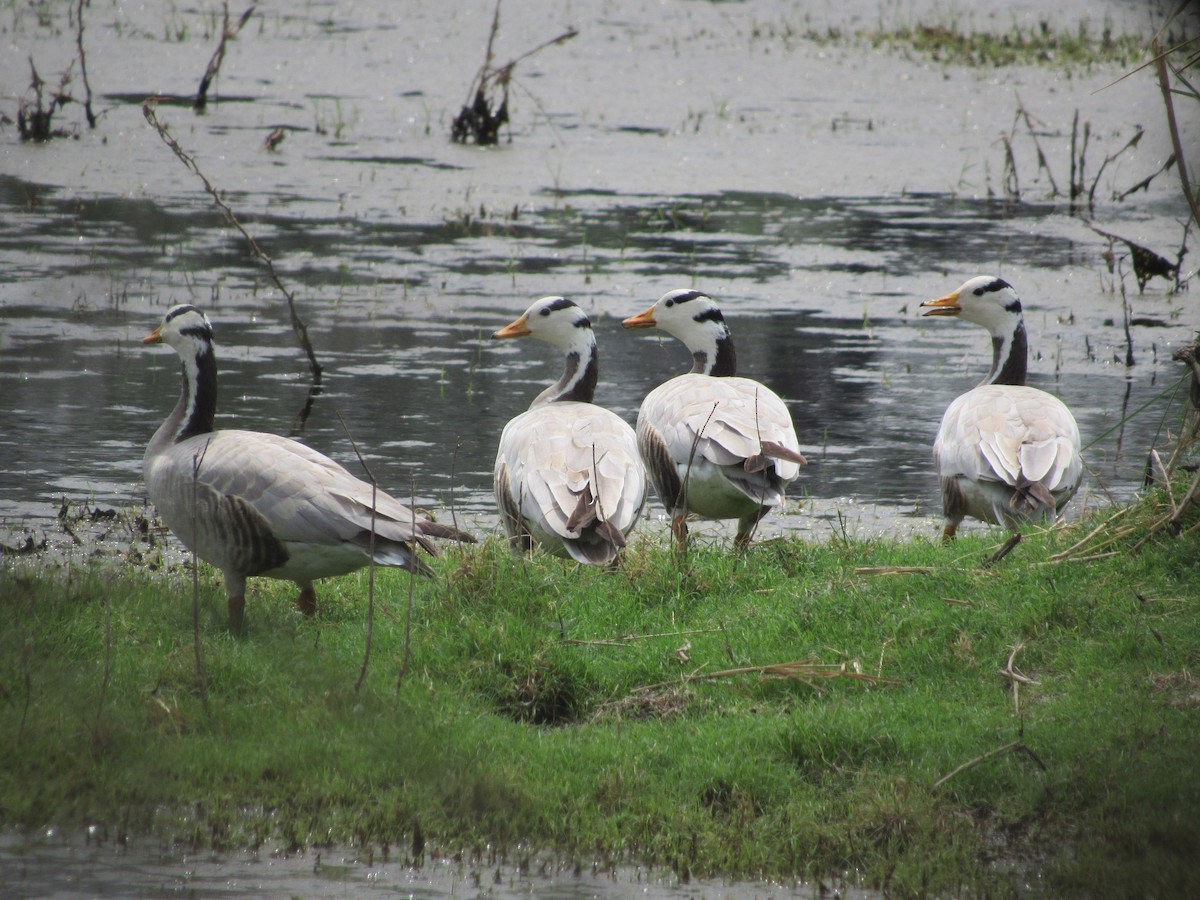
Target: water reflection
424	391
51	864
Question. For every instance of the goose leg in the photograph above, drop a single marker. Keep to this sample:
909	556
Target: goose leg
235	589
948	533
679	531
746	528
237	613
307	601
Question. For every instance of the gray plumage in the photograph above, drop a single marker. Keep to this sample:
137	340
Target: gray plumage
257	504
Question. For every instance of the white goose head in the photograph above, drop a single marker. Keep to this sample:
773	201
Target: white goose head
992	303
188	331
694	318
559	321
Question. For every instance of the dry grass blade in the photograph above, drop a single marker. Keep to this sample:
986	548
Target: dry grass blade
896	570
629	639
800	670
1164	83
1014	747
1015	678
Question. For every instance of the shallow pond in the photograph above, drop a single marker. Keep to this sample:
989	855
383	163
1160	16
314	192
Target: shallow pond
818	186
819	189
77	866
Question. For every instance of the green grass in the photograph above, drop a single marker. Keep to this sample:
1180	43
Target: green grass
547	707
955	44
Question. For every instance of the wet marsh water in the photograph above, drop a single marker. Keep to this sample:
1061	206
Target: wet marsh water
820	190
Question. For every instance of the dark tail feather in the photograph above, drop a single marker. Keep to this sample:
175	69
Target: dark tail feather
433	529
584	513
778	451
1032	499
772	450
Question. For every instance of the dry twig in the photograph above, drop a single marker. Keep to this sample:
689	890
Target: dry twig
802	670
229	31
1014	747
298	326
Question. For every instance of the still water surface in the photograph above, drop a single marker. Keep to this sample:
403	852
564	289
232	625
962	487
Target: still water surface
818	210
67	867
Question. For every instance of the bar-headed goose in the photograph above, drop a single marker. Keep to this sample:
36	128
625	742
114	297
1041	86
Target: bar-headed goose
717	445
252	503
568	475
1005	453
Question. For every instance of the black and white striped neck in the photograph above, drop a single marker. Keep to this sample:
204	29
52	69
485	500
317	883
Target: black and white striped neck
197	407
704	331
1010	357
719	359
580	372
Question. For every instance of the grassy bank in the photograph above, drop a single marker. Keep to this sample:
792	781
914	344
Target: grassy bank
594	714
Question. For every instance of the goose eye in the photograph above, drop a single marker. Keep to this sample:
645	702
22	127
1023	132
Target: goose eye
544	312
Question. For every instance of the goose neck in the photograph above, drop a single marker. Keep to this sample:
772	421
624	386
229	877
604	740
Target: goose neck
580	374
718	360
195	412
1010	356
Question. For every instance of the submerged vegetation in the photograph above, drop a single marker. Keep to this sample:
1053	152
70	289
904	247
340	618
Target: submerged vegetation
1018	46
903	712
952	42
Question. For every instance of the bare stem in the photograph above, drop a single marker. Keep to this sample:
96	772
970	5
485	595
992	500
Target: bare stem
87	87
1164	85
228	32
298	325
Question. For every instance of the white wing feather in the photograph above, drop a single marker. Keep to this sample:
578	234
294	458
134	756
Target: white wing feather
553	453
999	432
732	415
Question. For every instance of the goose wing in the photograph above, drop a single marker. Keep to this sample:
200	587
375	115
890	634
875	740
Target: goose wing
731	421
1014	435
565	466
299	494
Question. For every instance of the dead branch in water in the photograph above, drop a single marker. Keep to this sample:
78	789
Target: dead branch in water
298	325
229	31
1023	115
1164	84
481	117
87	103
1146	263
34	118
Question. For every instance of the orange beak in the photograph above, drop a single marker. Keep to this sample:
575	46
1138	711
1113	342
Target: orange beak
514	329
943	306
154	337
641	320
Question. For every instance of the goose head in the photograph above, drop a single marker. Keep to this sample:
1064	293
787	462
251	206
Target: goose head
559	321
694	318
188	331
556	320
992	303
184	328
984	300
